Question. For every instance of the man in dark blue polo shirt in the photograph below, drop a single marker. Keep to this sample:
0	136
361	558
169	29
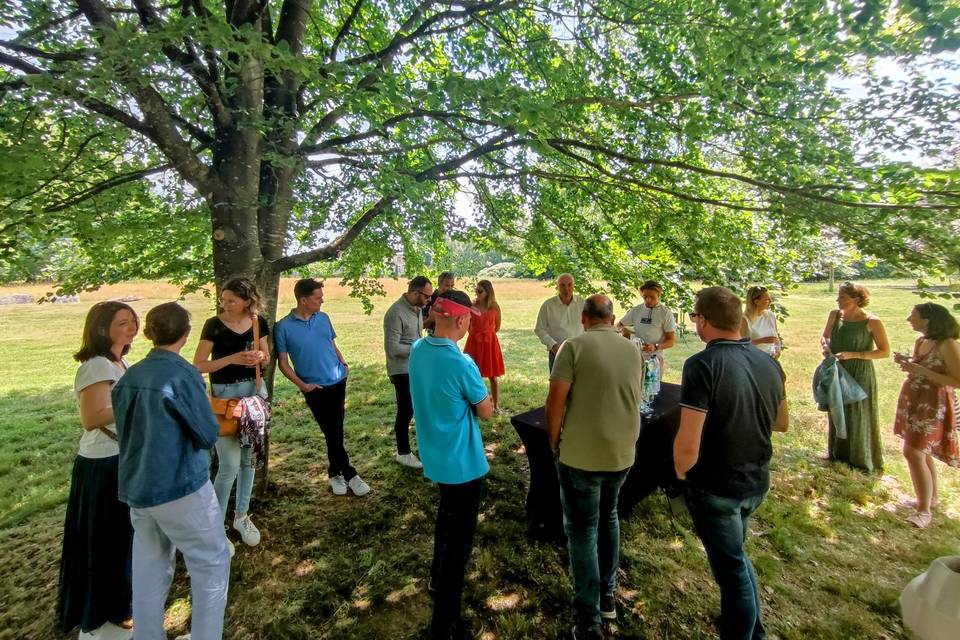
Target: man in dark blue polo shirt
730	397
320	372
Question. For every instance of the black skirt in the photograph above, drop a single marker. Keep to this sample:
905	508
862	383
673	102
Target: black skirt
95	571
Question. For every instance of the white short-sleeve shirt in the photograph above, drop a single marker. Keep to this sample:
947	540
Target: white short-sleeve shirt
94	443
650	325
763	326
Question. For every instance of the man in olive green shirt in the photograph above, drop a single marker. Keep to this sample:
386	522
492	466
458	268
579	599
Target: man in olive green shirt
593	420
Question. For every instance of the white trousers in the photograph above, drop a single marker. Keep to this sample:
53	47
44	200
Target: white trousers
192	524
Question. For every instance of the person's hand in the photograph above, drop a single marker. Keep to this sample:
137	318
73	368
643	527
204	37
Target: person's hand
307	387
555	348
911	367
824	347
649	347
246	358
848	355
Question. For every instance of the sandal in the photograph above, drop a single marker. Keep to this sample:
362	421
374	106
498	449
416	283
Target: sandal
921	520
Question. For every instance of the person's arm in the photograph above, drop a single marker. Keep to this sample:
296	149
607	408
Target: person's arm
686	446
203	363
880	341
340	357
782	421
827	332
283	363
96	405
484	408
392	337
556	408
542	331
950	350
496	329
669	339
189	401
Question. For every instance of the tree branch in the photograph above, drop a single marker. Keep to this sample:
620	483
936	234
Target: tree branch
56	56
188	62
342	33
156	112
339	245
115	181
559	143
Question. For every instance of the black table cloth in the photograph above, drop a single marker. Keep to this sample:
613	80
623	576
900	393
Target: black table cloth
653	467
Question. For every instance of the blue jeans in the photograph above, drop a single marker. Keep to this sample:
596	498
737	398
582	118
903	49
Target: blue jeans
721	524
233	460
593	537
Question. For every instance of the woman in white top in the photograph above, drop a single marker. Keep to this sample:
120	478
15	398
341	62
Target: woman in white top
759	322
95	592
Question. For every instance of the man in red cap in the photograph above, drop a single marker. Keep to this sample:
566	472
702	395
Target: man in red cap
448	397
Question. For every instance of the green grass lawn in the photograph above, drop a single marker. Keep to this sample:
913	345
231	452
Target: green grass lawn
830	543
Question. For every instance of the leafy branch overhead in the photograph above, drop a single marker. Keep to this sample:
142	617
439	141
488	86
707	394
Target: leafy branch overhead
620	139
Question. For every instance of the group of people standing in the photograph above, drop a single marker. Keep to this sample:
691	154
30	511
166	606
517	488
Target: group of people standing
141	484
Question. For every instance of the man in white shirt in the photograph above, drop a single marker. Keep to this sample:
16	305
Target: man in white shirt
651	321
559	317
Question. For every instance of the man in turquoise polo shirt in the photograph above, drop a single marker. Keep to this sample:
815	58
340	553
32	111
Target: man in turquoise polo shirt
448	396
320	372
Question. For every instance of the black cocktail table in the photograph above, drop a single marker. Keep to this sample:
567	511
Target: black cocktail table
653	467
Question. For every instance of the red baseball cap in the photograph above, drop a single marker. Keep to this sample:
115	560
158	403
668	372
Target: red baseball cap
449	309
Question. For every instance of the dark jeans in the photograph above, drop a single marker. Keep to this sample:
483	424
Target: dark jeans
721	524
327	407
593	538
401	424
452	544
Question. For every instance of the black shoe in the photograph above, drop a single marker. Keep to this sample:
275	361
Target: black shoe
585	634
608	607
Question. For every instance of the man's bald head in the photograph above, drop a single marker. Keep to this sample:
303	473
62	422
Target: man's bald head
597	309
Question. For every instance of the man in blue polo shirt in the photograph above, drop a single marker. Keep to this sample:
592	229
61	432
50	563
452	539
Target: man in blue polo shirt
730	397
448	396
320	372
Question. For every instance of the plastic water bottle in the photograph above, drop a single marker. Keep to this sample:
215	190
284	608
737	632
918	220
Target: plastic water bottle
651	377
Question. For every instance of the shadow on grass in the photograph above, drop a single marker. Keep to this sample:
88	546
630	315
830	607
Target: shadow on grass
831	552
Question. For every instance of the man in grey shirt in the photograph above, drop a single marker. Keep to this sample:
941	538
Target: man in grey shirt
402	326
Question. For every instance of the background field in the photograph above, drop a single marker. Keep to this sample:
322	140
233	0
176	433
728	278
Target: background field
830	543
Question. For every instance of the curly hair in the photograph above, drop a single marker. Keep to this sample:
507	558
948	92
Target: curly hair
856	291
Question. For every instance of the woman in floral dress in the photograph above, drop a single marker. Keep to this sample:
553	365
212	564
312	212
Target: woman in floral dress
927	409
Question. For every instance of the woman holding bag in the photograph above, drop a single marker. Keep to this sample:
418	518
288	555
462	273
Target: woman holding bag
228	354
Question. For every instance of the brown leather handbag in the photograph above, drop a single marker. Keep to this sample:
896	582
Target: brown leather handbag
227	410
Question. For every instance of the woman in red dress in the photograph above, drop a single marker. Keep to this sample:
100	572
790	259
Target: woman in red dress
482	344
927	411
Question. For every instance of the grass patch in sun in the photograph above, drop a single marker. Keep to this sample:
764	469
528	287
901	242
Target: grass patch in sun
830	544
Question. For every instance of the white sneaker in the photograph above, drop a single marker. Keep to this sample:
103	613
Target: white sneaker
409	460
338	485
248	532
183	637
233	549
358	486
108	631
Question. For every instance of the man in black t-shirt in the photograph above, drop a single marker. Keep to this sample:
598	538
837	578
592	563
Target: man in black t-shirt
730	397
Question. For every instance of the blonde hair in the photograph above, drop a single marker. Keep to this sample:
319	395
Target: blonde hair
750	304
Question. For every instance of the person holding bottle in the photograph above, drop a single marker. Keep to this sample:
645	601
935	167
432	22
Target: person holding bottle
226	352
652	323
